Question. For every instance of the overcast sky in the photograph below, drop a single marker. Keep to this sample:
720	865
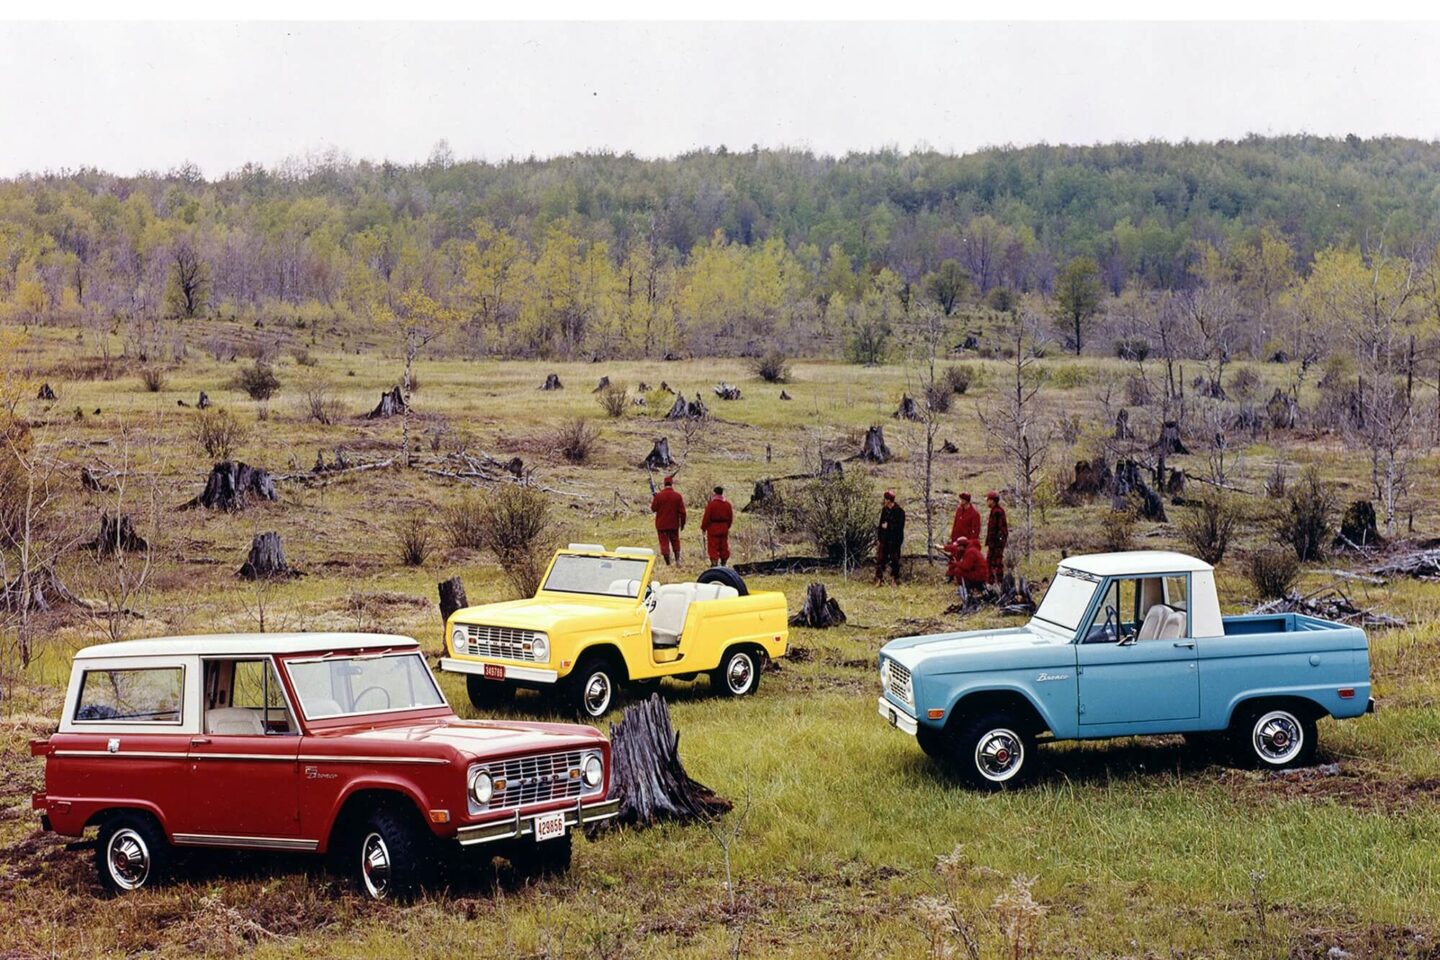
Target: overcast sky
127	97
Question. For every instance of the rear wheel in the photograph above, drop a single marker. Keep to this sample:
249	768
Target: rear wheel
132	853
485	694
738	674
1274	738
726	577
388	854
994	751
593	687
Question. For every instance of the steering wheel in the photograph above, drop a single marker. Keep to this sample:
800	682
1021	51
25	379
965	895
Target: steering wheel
651	600
1112	629
381	690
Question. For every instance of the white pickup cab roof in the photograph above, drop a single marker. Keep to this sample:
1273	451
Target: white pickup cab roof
1135	562
236	644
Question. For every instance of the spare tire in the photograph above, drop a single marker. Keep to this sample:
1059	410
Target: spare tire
726	576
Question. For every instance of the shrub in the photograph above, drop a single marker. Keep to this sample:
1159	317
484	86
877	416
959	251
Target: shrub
1132	348
1273	572
1001	300
1306	519
304	357
413	534
575	440
464	522
1069	376
773	367
838	515
258	381
1209	525
614	400
959	377
518	529
319	403
1118	533
937	397
1244	384
153	378
217	433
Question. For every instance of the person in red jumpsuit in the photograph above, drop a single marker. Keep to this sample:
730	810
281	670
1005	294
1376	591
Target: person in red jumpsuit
669	509
715	523
967	521
997	534
968	566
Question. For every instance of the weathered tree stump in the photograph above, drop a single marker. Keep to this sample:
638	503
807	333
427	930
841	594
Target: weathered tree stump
831	469
1122	425
819	611
1170	442
971	342
266	560
232	484
1173	483
727	391
452	598
687	409
642	387
763	498
41	591
647	775
1283	410
1014	597
1091	477
515	467
46	393
392	403
1358	527
90	482
785	395
1130	481
874	449
117	535
552	382
909	409
949	447
659	456
665	388
204	401
604	382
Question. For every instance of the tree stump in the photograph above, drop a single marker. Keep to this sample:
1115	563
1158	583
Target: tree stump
266	560
46	393
604	382
1129	481
452	598
204	401
1283	410
515	467
909	409
874	449
1173	482
1014	597
659	456
117	535
971	342
819	611
232	484
552	382
949	447
1170	442
1091	477
831	469
727	391
1122	425
646	773
1358	527
90	482
784	395
687	409
665	388
763	498
42	591
392	403
642	387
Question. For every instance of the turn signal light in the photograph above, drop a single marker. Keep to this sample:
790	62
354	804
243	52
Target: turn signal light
935	714
439	816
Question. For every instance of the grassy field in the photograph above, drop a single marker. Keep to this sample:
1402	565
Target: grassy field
850	843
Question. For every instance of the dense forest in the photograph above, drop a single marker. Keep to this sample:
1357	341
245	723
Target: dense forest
710	252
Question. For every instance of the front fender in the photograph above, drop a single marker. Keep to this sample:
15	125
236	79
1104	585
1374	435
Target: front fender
390	783
1054	700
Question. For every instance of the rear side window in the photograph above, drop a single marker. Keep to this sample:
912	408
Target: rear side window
146	695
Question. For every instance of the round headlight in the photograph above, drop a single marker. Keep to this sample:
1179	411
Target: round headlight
458	640
540	646
593	770
885	673
482	788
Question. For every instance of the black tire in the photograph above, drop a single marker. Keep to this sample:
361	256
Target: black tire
738	674
1265	736
547	858
132	853
726	576
993	751
486	694
388	853
932	742
593	687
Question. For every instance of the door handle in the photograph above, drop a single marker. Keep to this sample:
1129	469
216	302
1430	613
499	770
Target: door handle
1188	644
199	741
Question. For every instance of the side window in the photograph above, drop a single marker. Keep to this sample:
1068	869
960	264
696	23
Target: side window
244	697
145	695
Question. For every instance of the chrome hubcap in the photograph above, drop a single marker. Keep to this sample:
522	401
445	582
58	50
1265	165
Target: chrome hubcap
999	754
129	859
597	694
739	673
375	866
1278	737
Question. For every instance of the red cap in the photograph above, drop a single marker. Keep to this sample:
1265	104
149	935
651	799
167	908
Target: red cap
889	495
965	497
992	495
962	541
669	481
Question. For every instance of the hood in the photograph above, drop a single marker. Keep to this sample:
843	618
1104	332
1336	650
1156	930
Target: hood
1005	646
474	739
551	613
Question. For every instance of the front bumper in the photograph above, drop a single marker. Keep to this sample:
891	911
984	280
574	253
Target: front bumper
524	674
523	825
897	717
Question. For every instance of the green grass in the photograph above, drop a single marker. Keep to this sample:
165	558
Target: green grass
1136	848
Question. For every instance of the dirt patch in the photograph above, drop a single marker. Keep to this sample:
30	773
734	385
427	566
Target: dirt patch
1339	783
1375	941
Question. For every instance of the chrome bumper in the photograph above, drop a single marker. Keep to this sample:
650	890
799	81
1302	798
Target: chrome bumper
527	674
897	717
524	825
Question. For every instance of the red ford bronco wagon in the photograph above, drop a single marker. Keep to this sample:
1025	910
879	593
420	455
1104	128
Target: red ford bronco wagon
336	744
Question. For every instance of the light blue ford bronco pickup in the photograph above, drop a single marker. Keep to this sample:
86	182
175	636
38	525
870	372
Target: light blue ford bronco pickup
1124	644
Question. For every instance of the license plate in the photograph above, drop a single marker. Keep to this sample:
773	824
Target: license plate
550	826
493	671
894	719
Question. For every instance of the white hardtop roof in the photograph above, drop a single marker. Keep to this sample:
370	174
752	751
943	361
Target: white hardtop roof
1136	562
240	644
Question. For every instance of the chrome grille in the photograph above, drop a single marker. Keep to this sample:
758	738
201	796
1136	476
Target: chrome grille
500	643
900	682
530	780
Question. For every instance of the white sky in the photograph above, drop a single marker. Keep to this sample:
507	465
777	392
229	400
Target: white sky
133	96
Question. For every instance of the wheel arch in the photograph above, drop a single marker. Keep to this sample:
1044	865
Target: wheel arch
362	798
1299	704
976	702
608	650
104	814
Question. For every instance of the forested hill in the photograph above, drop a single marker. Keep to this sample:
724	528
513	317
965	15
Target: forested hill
335	234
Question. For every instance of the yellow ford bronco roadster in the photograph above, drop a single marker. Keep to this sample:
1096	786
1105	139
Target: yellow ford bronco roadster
600	620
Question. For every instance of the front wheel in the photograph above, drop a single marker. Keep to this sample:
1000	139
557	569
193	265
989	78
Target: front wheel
592	689
738	674
536	860
487	694
388	856
1274	738
993	752
132	853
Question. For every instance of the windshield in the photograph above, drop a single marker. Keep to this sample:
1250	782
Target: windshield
607	576
1067	599
345	686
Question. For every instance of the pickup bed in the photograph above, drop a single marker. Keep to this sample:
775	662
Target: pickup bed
1122	645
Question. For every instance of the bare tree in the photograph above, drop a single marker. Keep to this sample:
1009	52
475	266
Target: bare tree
1017	425
119	576
930	331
